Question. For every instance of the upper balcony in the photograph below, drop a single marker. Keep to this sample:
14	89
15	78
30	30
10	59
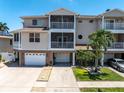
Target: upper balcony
117	46
115	27
62	25
62	22
113	24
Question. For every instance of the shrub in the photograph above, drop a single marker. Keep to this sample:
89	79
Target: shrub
85	57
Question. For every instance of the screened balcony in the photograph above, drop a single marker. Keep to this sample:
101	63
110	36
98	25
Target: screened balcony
62	22
62	40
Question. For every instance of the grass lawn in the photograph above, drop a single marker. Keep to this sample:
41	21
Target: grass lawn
107	75
102	89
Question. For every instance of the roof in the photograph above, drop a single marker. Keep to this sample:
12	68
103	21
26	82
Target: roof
61	11
114	13
30	30
6	37
28	17
87	16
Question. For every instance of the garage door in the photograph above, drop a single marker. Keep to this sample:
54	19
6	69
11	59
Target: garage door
62	57
35	59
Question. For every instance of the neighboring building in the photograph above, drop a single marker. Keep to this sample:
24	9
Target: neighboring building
6	43
54	37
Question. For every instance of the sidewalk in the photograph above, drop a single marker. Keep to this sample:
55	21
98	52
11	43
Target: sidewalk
101	84
62	80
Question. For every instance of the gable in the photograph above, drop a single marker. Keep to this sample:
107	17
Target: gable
114	13
61	11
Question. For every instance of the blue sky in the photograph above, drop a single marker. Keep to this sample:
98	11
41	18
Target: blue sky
11	10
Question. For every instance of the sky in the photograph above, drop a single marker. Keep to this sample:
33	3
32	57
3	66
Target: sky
12	10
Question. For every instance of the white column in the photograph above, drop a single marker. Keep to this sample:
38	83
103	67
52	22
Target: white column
49	39
49	33
103	22
75	22
73	57
49	21
19	40
74	31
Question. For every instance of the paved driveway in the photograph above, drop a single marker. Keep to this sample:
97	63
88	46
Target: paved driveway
18	78
62	80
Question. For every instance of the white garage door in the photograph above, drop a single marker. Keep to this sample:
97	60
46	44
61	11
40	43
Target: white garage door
62	57
36	59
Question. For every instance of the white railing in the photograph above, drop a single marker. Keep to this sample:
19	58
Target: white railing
62	25
114	26
117	45
16	45
62	44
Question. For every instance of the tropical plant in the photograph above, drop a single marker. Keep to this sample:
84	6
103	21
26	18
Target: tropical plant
100	41
3	27
85	56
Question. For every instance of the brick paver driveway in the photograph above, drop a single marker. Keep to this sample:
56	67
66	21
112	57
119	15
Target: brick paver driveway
62	80
18	78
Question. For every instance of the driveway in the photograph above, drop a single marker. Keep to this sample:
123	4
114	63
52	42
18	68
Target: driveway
62	80
18	78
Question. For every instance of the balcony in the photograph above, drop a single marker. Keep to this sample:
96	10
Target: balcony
114	26
62	25
117	45
62	45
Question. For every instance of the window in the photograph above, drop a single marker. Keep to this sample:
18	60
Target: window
80	36
90	21
34	37
37	37
80	21
10	41
31	37
16	37
34	22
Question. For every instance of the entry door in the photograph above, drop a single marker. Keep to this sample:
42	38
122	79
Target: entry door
62	57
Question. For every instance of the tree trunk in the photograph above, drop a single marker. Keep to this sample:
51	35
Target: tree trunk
96	65
102	60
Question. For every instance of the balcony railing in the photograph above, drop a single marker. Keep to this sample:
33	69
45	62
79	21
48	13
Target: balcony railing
117	45
114	26
62	45
62	25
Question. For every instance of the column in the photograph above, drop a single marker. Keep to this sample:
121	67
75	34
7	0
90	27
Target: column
49	21
103	23
20	58
74	22
73	58
49	40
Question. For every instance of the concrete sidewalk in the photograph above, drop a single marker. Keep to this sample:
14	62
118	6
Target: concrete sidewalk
62	80
101	84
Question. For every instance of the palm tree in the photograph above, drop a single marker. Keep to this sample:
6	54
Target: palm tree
100	41
3	27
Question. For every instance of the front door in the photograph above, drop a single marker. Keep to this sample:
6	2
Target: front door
62	57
